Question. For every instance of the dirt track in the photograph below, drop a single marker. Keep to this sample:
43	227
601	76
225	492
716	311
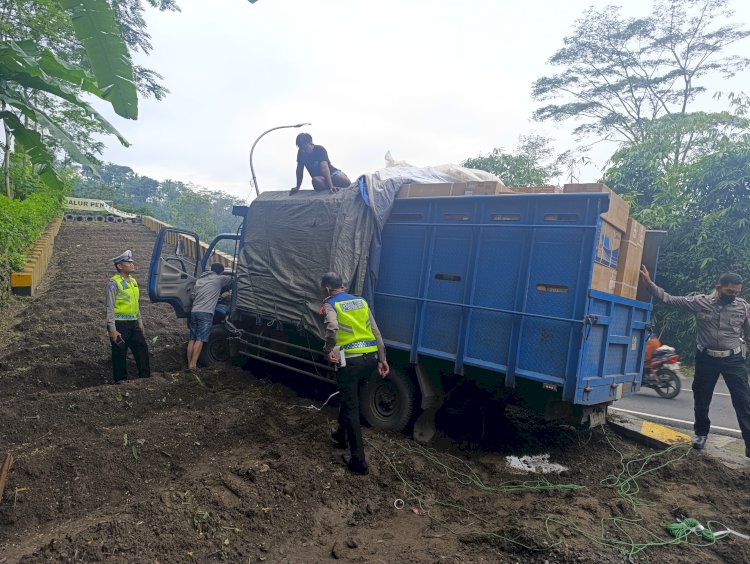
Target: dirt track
228	466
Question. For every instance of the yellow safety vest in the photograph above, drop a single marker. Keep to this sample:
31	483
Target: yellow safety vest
126	299
355	334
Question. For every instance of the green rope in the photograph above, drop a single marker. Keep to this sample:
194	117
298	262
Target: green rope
627	535
427	505
625	482
682	530
461	472
625	541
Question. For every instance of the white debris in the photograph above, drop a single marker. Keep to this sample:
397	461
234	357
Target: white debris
537	464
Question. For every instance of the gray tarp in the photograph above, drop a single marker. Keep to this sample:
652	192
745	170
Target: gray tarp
291	241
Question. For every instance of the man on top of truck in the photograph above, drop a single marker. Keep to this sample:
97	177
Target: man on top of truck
351	329
722	319
315	159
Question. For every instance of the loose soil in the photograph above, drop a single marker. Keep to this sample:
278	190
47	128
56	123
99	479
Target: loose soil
227	465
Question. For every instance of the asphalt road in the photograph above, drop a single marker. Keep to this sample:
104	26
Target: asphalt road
678	412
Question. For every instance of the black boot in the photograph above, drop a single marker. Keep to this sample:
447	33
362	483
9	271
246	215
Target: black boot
356	466
338	437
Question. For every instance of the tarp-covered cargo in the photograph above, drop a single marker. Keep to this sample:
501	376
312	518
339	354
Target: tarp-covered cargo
292	240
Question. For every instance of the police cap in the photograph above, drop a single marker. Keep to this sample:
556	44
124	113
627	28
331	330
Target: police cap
127	256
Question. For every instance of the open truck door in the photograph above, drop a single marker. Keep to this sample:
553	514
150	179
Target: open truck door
175	264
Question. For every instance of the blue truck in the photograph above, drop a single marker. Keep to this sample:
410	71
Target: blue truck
496	289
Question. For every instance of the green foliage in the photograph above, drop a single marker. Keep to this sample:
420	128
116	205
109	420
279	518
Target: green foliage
107	54
530	165
618	74
52	52
701	198
184	205
23	220
655	174
34	76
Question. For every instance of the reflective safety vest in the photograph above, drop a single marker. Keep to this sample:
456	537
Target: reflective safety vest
126	299
355	334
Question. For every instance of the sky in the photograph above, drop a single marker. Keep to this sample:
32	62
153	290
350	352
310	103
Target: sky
431	81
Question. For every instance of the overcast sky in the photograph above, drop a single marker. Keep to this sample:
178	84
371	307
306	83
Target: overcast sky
433	81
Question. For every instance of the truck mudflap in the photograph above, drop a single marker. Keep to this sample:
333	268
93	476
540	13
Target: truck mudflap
433	398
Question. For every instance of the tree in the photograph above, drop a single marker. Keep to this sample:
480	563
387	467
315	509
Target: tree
30	72
207	212
93	36
703	202
49	25
129	16
619	74
530	165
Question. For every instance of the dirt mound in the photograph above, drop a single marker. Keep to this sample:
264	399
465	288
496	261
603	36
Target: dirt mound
224	465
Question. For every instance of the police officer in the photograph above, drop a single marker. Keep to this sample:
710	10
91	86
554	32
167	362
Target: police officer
124	323
350	328
722	322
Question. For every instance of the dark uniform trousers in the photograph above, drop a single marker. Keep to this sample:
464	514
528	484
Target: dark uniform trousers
734	371
348	379
136	342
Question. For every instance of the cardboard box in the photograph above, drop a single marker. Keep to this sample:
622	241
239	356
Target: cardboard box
604	278
455	189
534	189
619	209
629	264
609	246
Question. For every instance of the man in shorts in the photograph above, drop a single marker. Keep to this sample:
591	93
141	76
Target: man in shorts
314	158
206	293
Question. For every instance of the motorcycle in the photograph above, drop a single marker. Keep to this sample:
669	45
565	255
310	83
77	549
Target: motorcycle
662	372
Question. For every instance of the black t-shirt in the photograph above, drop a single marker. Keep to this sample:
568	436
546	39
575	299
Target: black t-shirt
312	160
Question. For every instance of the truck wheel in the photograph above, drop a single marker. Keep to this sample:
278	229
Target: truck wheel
216	350
387	404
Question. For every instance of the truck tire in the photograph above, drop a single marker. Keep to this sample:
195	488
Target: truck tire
216	350
387	404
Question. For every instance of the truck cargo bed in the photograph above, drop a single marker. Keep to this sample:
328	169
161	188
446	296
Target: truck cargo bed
504	283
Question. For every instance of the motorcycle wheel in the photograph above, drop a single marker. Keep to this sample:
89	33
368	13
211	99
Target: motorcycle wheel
667	383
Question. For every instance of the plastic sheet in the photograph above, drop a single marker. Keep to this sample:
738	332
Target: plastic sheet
292	240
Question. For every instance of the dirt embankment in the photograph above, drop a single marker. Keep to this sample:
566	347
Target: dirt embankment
228	466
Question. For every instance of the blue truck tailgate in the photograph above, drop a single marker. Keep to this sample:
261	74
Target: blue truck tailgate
503	283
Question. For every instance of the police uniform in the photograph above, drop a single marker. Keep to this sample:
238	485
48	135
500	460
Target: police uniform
720	328
350	325
124	316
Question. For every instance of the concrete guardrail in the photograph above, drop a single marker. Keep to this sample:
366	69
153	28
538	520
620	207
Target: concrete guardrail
25	282
187	244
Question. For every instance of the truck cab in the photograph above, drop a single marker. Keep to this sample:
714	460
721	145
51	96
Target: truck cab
178	259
